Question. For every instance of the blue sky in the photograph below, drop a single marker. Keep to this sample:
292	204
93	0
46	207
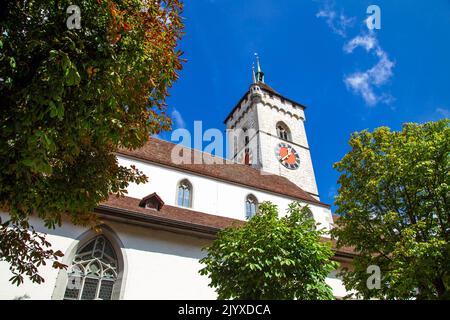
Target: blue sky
321	54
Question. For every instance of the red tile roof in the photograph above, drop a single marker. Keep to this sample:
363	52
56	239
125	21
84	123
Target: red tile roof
170	213
177	217
159	151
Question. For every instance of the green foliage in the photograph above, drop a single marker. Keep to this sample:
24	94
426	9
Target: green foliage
271	258
71	98
394	202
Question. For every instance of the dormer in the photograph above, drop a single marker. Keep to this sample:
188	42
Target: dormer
152	201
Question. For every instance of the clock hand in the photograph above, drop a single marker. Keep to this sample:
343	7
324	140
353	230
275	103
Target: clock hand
288	154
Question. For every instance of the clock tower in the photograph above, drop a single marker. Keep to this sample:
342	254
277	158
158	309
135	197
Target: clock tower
267	131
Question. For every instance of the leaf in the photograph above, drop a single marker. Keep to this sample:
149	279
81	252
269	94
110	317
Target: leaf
12	62
73	77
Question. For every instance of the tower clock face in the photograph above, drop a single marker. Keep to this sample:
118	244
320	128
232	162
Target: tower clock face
287	156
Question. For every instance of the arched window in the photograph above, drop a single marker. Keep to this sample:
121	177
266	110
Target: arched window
246	140
247	157
251	206
184	194
283	131
94	271
246	137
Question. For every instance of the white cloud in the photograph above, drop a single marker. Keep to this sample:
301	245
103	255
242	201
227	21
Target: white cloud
337	22
368	42
359	82
179	121
443	112
364	83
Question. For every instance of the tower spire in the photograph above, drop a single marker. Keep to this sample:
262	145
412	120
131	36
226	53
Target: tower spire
259	74
253	73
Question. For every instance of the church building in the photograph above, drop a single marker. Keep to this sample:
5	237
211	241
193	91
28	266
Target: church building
151	240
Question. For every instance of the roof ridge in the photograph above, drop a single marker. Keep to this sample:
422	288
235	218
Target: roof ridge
192	149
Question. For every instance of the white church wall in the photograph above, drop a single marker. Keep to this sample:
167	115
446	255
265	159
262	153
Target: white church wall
61	239
210	195
336	284
163	265
159	264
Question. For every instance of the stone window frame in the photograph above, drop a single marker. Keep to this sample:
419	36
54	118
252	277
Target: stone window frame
80	242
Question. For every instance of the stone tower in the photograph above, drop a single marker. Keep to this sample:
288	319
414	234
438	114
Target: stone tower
267	131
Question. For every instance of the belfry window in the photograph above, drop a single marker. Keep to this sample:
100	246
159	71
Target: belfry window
94	272
184	194
283	131
251	206
246	138
247	157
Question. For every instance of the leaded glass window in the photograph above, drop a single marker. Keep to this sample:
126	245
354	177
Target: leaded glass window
251	206
184	196
93	272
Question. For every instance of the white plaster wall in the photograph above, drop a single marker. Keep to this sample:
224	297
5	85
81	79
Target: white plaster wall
245	117
303	176
269	114
160	264
336	284
272	109
209	195
61	239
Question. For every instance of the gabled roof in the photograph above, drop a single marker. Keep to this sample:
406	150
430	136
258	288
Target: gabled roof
159	151
268	89
152	197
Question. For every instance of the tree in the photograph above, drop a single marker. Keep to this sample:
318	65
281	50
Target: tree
69	99
394	202
271	258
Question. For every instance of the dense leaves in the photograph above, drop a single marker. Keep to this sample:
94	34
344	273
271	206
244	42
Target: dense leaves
394	202
271	257
71	98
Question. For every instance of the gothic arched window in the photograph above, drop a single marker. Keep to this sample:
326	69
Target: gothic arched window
94	271
283	131
246	137
247	157
251	206
184	194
